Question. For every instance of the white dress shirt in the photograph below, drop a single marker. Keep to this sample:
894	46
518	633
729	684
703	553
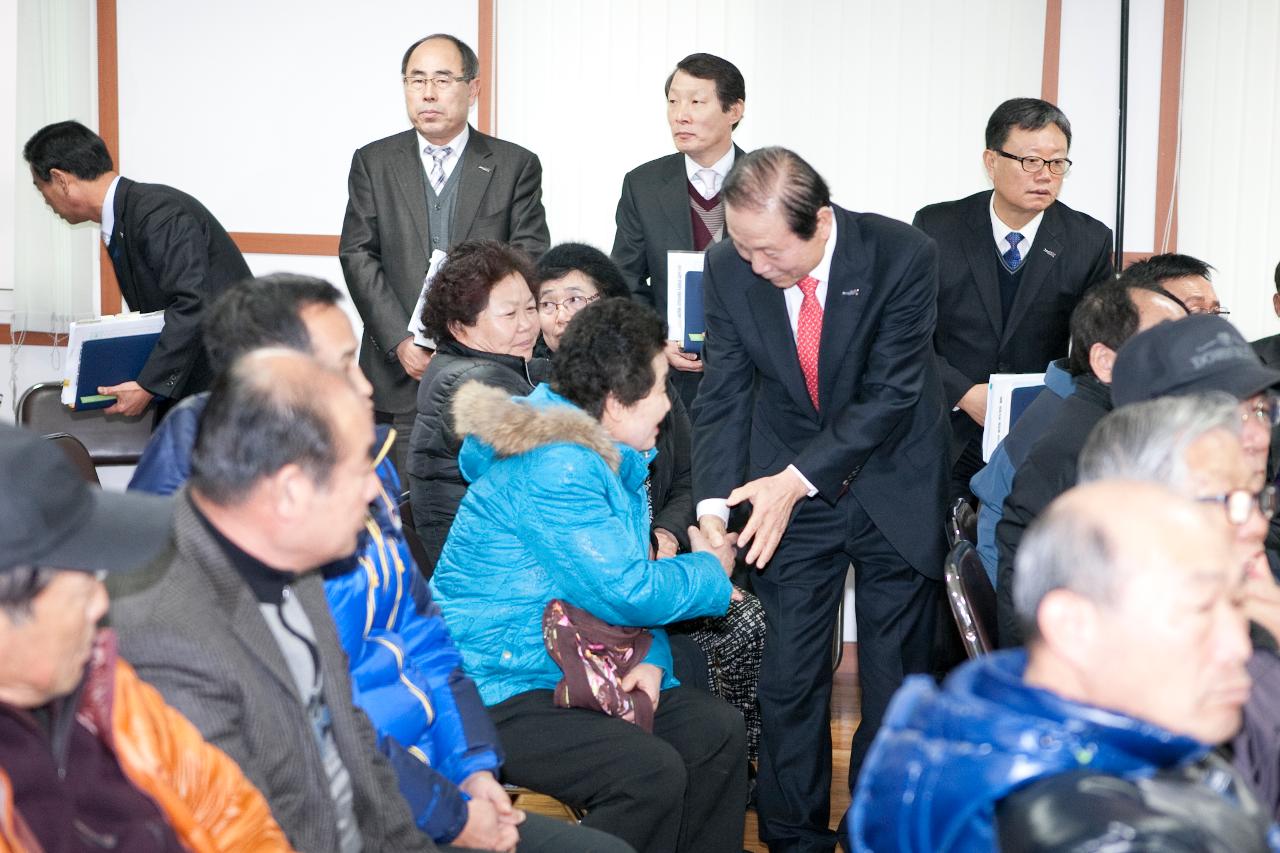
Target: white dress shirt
455	145
1000	231
109	211
793	296
720	167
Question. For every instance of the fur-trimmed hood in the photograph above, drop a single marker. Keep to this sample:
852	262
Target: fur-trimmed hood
511	426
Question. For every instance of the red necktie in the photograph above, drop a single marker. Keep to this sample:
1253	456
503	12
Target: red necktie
809	334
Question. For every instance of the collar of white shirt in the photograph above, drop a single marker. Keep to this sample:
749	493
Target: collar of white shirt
1000	231
721	167
109	211
455	145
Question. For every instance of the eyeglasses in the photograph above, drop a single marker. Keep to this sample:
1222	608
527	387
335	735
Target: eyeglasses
572	304
1266	410
1034	164
1218	312
442	82
1239	503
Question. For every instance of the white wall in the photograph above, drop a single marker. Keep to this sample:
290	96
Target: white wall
10	154
887	100
1229	206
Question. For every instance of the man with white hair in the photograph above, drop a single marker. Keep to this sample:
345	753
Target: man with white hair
1098	735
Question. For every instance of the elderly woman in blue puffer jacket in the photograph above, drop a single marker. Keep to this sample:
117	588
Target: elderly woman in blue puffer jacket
558	508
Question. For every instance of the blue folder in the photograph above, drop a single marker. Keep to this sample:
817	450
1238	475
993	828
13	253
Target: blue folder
695	324
110	361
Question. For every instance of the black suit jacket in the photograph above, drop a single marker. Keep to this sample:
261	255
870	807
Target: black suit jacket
881	433
653	218
171	255
1071	253
386	240
1268	349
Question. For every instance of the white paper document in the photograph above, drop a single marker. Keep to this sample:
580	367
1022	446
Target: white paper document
415	322
1008	395
103	328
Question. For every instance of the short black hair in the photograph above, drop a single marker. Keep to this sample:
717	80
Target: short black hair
1277	277
470	62
19	588
776	174
1105	315
263	312
464	281
559	261
608	348
1158	269
730	87
70	147
1024	114
259	420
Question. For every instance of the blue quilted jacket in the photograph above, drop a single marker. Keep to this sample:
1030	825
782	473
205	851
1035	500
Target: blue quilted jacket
406	673
556	509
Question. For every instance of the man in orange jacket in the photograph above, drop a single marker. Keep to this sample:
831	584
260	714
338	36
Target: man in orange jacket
90	755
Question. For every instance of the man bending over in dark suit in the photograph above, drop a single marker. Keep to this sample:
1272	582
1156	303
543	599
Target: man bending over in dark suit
423	189
168	252
674	202
822	408
1013	262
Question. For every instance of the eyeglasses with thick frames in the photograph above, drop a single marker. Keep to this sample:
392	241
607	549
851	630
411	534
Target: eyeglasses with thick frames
572	304
1239	503
442	82
1058	167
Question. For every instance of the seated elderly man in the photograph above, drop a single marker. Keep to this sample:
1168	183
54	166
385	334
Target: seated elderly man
1192	445
90	756
232	626
1098	735
406	672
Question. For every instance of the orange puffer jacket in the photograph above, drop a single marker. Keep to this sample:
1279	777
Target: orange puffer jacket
207	799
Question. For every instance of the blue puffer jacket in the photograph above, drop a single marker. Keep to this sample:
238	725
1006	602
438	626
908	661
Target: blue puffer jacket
556	509
944	758
406	673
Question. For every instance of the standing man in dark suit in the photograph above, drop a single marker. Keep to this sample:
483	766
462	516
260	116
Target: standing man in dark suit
1013	262
674	202
424	189
823	410
1268	349
168	252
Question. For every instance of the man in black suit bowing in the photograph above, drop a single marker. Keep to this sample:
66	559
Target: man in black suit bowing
822	409
675	202
427	188
1013	262
168	252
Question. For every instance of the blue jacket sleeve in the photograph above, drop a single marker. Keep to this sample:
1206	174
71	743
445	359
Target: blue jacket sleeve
440	809
165	465
462	734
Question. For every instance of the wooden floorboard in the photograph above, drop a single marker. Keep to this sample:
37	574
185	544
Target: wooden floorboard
844	719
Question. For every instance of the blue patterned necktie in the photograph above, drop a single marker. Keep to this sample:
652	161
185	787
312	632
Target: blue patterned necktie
1012	257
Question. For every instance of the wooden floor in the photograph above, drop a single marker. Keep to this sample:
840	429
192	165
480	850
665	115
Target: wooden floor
844	719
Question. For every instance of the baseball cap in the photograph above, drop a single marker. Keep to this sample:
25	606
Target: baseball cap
1202	352
50	517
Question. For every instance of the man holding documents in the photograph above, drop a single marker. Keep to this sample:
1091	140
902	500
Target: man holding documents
822	410
169	254
430	187
673	203
1013	262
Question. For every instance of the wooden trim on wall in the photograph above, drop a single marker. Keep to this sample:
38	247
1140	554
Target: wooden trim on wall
486	106
266	243
33	339
1170	119
109	130
1052	50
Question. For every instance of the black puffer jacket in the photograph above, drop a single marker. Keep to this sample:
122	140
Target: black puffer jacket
435	485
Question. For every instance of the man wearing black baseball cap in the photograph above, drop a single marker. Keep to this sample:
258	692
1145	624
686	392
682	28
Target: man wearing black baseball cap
87	750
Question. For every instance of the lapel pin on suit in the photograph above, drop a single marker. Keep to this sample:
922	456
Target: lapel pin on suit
854	292
484	168
1051	253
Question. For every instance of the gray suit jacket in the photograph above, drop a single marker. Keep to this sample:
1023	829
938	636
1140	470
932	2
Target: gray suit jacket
191	627
653	218
386	240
